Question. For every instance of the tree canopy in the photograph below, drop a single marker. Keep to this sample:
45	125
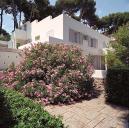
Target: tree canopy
82	10
119	55
110	24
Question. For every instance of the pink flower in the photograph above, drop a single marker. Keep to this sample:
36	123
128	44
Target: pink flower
49	87
37	94
2	76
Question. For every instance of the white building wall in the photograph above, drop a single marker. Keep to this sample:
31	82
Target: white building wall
7	57
4	42
47	27
55	40
59	27
70	23
28	30
20	34
10	44
99	74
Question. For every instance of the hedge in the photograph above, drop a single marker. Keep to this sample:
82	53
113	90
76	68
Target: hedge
117	86
16	111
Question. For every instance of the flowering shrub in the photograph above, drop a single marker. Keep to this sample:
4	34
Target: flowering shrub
2	76
52	74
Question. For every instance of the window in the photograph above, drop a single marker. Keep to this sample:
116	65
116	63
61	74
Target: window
93	43
37	38
75	37
86	37
99	62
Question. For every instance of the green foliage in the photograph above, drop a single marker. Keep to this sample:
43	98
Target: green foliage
16	111
117	86
4	36
110	24
118	56
85	7
17	45
37	9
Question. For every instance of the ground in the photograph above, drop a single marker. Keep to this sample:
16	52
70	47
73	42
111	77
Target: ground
94	113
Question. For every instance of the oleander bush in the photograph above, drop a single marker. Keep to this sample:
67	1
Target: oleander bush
16	111
52	73
117	86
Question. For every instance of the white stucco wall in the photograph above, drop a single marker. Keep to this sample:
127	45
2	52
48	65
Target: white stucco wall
7	56
47	27
10	44
4	42
69	23
55	40
99	74
59	27
20	34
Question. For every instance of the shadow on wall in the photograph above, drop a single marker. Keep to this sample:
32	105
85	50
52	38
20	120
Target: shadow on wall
6	118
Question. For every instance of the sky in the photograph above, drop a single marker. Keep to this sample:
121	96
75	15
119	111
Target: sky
103	8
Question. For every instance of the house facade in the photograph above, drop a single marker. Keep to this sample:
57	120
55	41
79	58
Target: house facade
63	29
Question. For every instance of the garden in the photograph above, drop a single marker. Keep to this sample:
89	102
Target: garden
117	80
59	74
117	87
48	74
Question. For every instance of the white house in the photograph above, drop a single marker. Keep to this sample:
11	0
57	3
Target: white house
63	29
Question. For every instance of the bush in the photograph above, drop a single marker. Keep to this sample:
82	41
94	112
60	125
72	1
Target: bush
4	36
117	86
117	54
52	74
17	111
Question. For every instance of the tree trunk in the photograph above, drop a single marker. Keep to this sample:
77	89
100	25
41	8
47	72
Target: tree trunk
14	12
15	21
20	19
1	22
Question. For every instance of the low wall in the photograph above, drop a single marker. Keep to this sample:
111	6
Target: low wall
4	42
100	74
8	56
